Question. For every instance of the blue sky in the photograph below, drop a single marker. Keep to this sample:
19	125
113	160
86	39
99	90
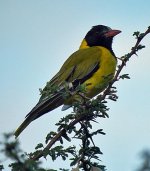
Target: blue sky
36	37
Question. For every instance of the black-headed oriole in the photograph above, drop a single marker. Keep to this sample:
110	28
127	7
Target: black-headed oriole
92	66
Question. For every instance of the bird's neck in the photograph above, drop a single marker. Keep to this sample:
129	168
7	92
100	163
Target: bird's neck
112	52
84	44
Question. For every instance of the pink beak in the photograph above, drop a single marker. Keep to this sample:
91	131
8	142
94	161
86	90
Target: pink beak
112	33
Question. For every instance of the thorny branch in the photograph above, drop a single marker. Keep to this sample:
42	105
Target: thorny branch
125	59
106	92
60	133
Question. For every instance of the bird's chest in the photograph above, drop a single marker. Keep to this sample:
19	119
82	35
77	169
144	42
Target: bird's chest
103	75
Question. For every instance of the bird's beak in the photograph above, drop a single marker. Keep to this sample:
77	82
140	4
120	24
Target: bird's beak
112	33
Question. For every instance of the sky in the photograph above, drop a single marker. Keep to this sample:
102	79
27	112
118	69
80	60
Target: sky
37	36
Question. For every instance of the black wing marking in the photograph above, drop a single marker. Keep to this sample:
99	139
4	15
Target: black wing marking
79	81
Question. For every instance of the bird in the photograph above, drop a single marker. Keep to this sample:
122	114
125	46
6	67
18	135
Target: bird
92	66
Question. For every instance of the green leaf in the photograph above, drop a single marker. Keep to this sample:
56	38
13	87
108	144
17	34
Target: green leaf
62	169
61	140
95	150
140	47
136	34
50	136
125	76
40	145
74	162
63	157
53	155
1	167
66	137
99	131
46	152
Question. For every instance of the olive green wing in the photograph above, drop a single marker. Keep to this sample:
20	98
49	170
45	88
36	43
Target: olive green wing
80	66
77	66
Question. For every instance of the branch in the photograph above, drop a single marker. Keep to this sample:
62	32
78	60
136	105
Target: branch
124	60
106	92
60	134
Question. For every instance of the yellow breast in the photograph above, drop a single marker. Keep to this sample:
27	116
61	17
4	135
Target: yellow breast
100	79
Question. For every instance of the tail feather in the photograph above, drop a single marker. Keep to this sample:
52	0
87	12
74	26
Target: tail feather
40	109
25	123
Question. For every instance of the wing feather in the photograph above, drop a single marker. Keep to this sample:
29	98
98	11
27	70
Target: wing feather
79	67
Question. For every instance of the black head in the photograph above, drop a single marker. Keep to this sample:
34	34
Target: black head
101	35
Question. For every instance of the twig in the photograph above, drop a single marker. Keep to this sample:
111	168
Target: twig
125	58
60	134
102	97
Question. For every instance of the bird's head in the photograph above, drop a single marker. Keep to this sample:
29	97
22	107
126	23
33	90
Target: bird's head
101	35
